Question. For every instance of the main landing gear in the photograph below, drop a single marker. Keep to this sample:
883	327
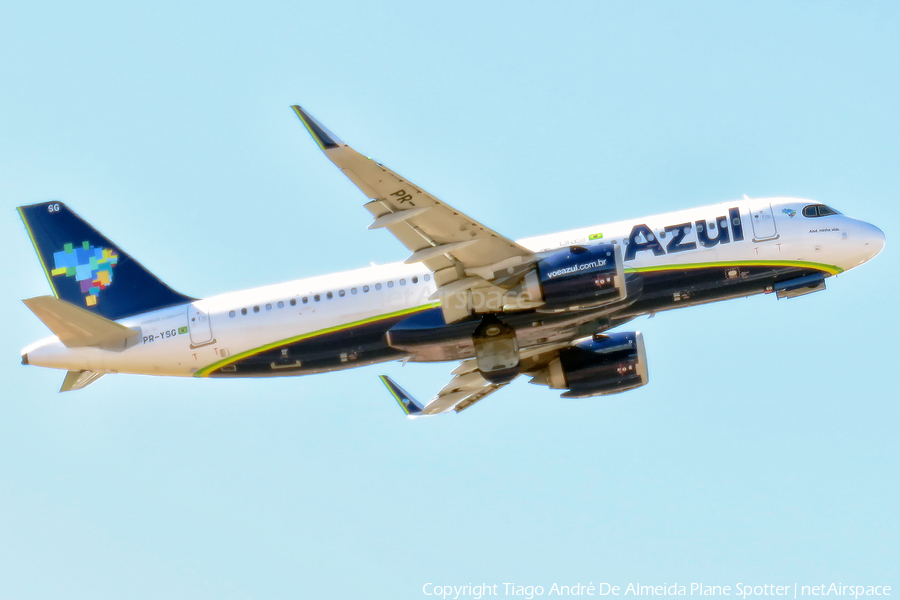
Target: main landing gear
496	350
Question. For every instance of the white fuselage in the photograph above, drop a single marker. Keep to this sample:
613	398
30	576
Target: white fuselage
189	340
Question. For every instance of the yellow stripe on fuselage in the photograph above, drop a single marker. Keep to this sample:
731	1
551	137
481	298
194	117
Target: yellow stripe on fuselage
205	371
831	269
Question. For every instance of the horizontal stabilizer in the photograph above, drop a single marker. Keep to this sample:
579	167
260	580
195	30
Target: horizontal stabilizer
75	380
76	327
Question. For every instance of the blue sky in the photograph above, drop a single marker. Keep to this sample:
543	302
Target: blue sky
764	449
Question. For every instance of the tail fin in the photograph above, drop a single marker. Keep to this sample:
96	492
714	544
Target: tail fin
84	268
410	405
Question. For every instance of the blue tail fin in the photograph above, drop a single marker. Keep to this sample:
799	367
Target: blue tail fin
409	404
84	268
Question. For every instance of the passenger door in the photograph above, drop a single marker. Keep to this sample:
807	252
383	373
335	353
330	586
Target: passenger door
199	327
763	222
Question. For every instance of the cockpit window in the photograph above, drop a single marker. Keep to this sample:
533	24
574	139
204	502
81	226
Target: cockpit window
818	210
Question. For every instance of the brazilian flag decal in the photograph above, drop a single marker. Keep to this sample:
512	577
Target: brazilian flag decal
182	330
595	236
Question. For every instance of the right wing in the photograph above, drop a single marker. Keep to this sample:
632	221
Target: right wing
463	254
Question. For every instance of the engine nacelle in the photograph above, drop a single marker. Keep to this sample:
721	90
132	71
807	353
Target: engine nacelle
604	364
576	278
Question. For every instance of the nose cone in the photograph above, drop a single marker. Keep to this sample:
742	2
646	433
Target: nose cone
873	240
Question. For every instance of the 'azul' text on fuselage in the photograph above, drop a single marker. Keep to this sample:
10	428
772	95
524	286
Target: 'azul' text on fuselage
642	237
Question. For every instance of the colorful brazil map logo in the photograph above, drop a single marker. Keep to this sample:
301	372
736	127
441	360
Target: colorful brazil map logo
91	267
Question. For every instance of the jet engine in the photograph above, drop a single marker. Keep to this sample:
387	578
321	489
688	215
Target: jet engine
604	364
575	278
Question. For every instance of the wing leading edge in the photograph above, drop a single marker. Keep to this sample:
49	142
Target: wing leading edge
464	254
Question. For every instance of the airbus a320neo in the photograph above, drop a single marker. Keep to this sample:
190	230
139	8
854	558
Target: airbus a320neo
548	307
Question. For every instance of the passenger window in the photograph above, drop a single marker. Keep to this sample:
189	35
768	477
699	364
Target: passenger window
353	291
427	278
365	289
256	308
402	282
268	307
294	301
377	286
305	300
329	295
341	293
243	311
281	304
390	284
231	314
316	298
415	279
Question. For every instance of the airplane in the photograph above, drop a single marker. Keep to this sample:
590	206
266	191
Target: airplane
544	307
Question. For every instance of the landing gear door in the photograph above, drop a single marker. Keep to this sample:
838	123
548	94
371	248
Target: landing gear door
199	327
763	222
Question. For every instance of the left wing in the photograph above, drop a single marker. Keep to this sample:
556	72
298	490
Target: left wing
463	254
468	386
463	391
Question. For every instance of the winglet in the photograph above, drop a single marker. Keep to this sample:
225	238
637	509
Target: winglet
409	404
324	138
